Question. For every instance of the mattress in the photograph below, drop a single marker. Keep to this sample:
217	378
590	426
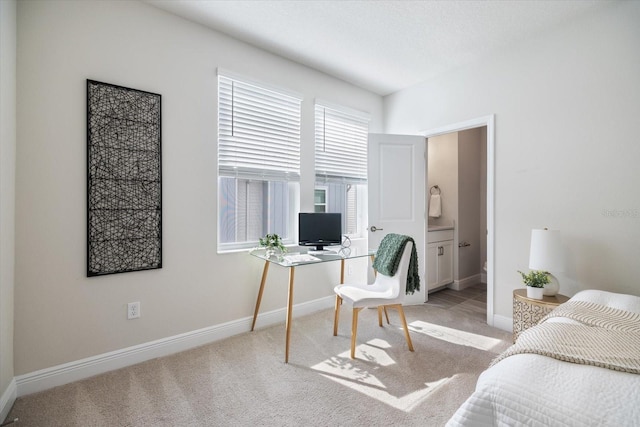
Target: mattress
535	390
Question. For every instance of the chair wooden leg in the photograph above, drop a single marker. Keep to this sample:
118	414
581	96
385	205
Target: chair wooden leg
354	331
404	325
336	316
386	314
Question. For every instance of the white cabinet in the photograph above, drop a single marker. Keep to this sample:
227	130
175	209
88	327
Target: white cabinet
439	259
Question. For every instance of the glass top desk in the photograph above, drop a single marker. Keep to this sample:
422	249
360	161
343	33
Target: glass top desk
296	258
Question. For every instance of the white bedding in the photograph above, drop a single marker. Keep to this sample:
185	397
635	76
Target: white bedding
529	389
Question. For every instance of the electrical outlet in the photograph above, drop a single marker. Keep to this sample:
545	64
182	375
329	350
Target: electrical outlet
133	310
349	270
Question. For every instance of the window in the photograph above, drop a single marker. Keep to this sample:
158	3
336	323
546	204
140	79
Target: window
341	164
320	200
258	161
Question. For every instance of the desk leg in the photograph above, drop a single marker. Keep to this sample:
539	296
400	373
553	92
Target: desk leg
289	309
259	300
336	313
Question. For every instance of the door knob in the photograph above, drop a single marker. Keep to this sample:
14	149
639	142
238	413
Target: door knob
373	229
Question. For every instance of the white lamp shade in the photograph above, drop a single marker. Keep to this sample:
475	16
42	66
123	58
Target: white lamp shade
546	251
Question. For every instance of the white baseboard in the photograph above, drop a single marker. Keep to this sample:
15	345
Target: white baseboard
461	284
8	398
91	366
503	322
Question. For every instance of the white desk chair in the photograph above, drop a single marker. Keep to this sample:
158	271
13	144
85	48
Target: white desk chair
385	292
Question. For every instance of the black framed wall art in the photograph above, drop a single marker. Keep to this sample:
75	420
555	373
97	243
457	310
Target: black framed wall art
124	179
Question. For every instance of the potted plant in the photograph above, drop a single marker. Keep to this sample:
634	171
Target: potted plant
272	243
535	281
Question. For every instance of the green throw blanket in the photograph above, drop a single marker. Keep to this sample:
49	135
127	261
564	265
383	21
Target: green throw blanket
388	258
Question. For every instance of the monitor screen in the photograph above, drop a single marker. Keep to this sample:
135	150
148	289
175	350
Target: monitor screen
319	229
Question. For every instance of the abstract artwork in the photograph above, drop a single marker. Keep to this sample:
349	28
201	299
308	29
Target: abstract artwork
124	179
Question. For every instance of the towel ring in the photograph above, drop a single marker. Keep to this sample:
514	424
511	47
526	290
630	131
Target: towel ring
435	187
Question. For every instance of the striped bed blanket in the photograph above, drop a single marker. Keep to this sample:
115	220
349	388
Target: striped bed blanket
599	336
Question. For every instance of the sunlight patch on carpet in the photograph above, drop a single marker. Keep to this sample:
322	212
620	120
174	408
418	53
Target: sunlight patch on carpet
377	342
455	336
349	373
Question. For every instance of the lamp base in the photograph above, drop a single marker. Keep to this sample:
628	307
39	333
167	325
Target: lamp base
552	288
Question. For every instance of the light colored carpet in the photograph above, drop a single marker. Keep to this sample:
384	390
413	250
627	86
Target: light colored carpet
243	380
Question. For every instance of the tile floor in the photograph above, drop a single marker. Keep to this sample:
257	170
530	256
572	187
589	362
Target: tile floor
471	301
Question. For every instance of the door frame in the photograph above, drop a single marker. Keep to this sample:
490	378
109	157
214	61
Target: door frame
489	122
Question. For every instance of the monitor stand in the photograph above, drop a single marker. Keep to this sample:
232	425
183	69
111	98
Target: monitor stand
319	250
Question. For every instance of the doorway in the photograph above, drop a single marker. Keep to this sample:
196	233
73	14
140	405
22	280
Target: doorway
488	122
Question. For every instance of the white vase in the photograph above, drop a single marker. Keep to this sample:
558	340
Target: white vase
535	293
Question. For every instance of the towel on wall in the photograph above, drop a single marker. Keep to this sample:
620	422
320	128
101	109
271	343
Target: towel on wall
435	206
388	258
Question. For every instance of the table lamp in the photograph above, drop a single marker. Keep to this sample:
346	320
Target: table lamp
546	254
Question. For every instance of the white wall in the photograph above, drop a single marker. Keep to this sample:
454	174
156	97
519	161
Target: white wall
61	315
7	198
469	194
483	201
566	106
442	170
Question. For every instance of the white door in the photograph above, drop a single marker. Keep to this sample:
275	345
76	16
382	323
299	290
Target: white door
396	182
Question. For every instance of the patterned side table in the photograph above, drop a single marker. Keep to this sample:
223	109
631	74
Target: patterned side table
527	312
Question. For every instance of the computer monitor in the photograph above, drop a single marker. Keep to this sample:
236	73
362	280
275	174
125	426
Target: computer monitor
319	229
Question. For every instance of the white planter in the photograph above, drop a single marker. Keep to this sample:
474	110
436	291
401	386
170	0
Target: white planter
535	293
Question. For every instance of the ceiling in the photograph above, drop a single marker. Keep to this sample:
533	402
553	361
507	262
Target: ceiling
382	46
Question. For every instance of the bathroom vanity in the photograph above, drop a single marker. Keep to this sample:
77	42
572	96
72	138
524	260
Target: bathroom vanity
439	256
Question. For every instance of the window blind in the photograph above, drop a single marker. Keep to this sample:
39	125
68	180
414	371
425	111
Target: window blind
258	131
341	146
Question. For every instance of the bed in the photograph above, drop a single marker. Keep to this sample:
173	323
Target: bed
534	387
